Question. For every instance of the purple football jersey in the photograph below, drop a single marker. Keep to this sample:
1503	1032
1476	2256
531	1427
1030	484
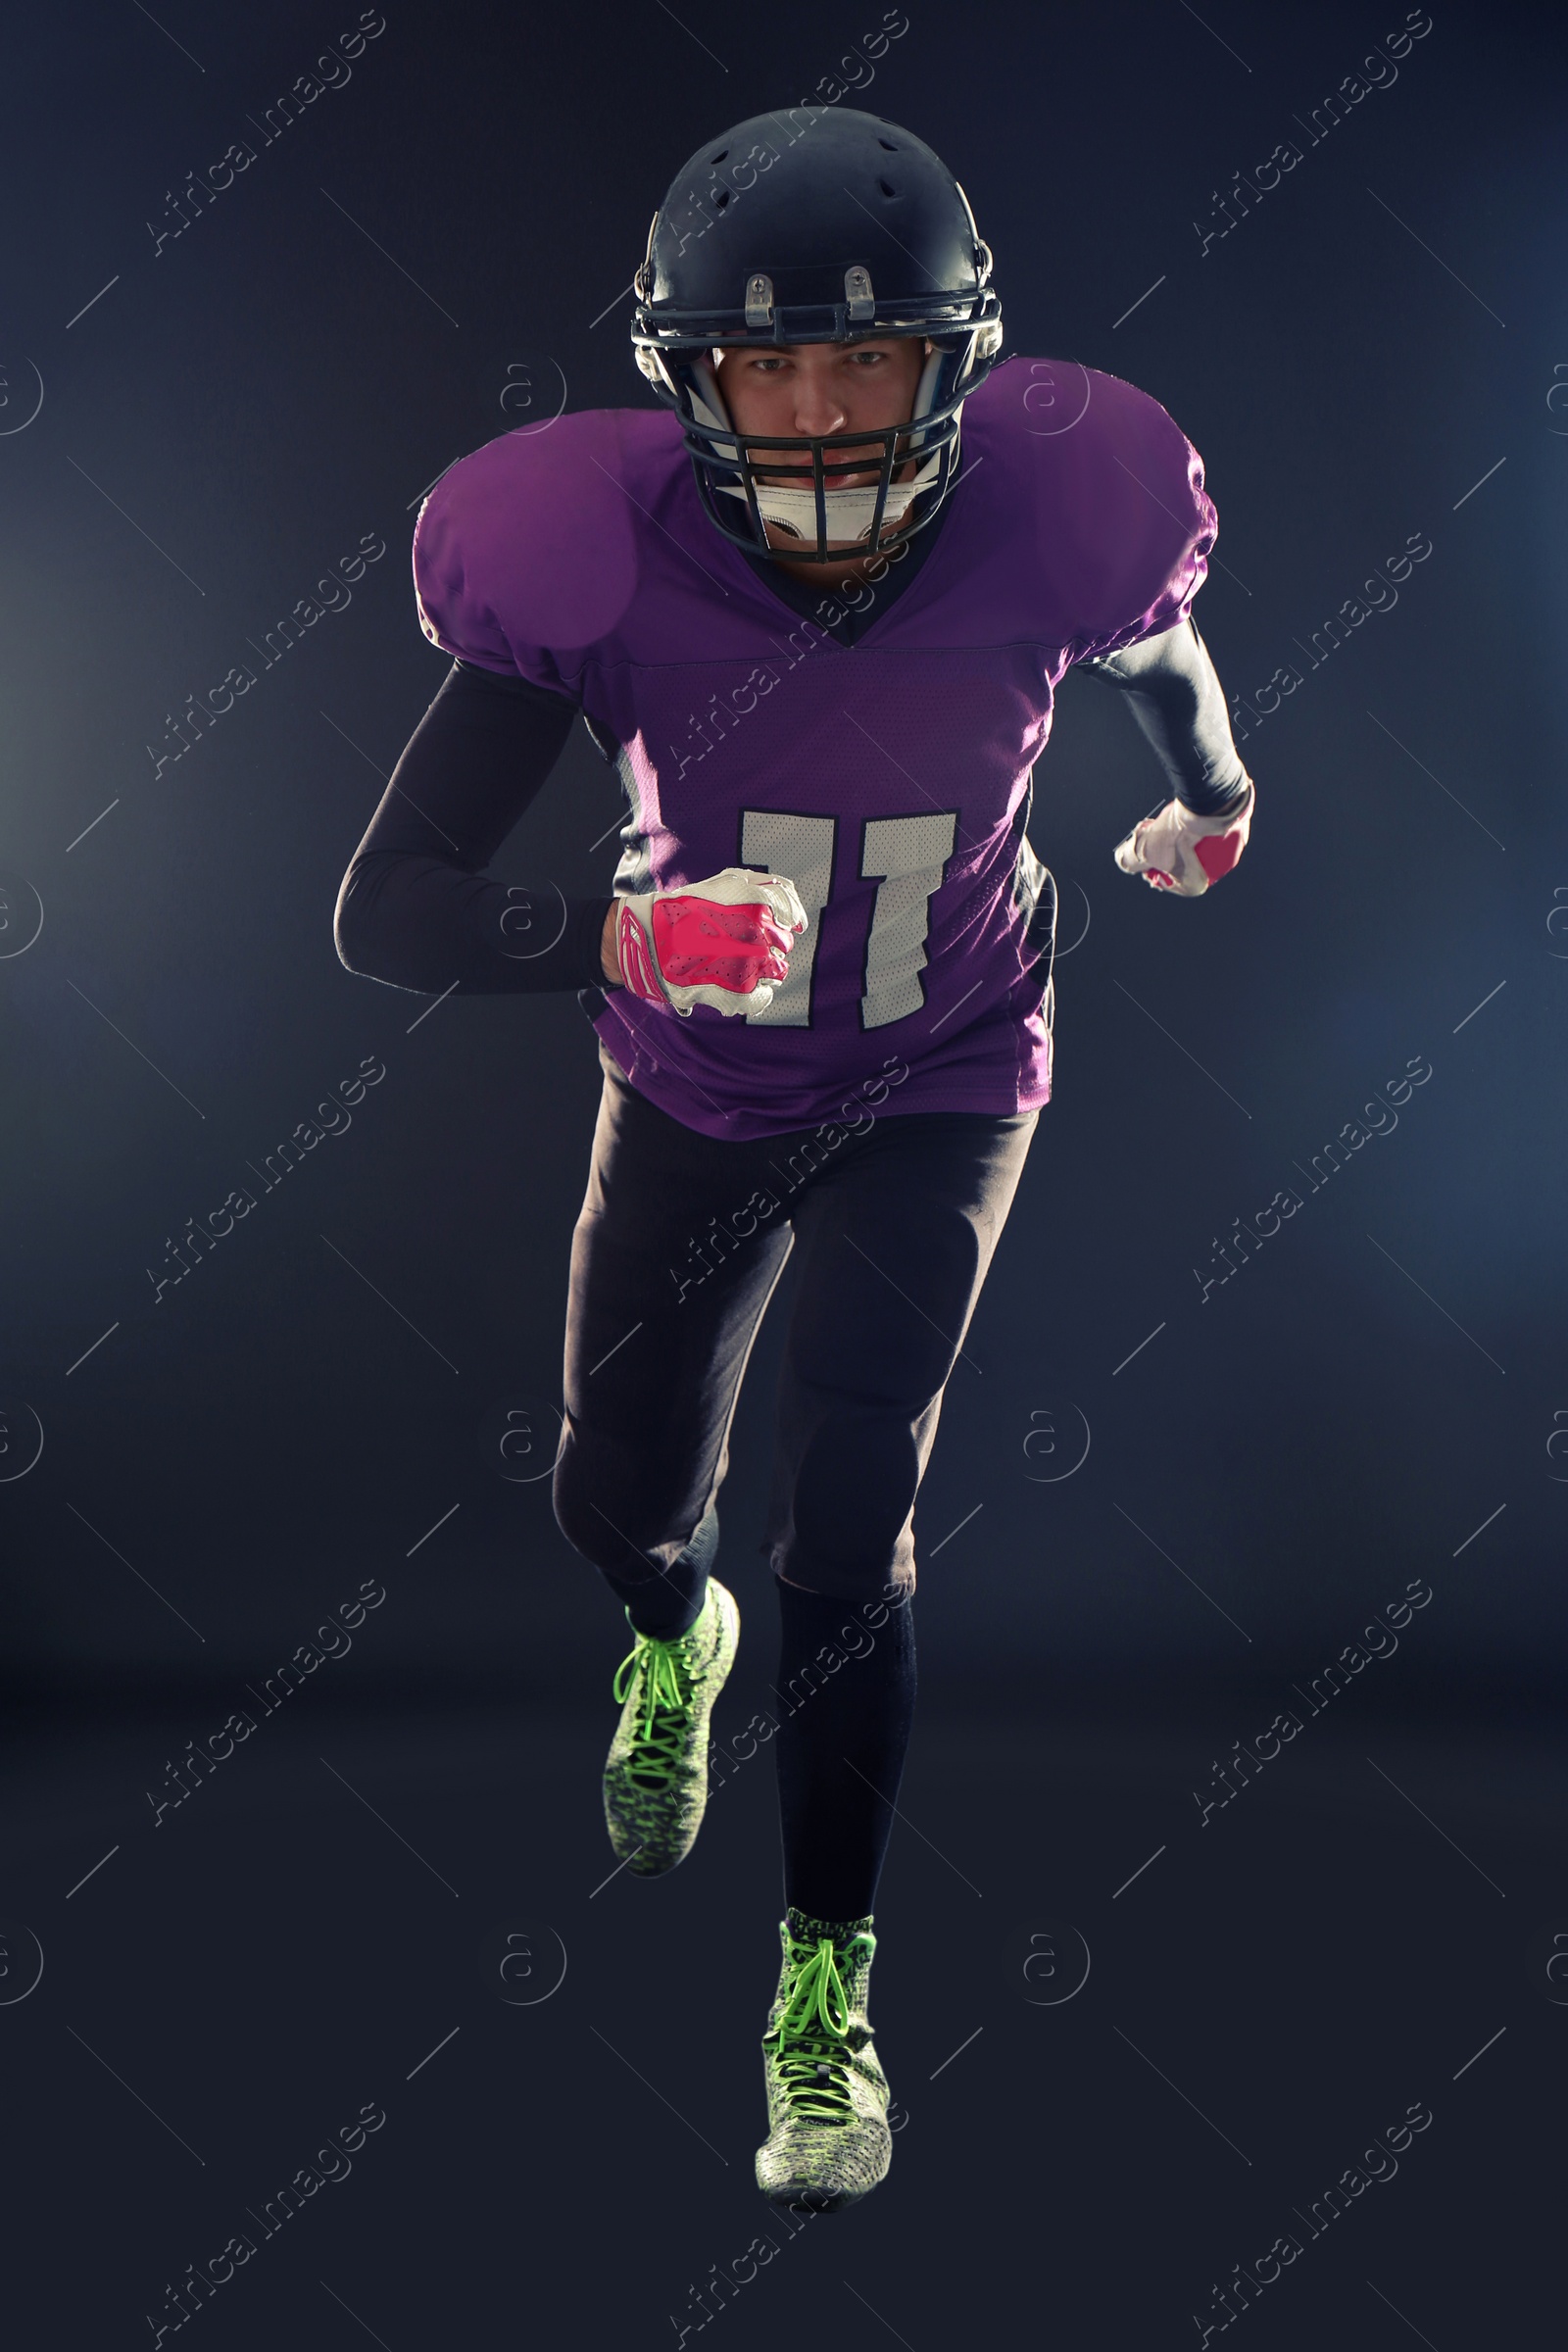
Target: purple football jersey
889	780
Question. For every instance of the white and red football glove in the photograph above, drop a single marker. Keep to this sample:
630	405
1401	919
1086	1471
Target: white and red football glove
725	942
1175	850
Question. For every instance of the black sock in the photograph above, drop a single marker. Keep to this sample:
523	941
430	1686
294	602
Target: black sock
842	1736
670	1606
669	1603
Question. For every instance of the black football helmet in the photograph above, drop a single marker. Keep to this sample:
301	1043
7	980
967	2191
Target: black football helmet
816	225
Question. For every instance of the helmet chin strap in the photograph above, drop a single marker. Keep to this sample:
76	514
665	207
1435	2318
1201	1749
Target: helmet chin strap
850	513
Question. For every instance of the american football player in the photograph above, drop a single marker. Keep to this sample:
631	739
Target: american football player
814	602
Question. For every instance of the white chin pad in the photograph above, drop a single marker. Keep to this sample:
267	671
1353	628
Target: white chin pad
850	513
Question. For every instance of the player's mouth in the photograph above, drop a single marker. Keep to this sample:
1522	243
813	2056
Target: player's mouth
858	468
842	478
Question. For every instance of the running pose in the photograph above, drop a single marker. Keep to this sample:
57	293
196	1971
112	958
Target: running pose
819	638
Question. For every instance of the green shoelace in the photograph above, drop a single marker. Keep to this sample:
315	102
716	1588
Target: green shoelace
811	2061
665	1700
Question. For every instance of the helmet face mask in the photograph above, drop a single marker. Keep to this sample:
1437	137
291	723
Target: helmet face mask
801	257
781	481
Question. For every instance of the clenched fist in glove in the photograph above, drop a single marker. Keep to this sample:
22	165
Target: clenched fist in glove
1176	850
725	942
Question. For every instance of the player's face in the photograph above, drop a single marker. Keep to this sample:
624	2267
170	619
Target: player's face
808	390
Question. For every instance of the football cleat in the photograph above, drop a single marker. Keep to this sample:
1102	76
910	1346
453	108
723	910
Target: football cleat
656	1775
1179	850
828	2142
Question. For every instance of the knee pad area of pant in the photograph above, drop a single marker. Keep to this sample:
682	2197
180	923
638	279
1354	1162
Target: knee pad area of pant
609	1511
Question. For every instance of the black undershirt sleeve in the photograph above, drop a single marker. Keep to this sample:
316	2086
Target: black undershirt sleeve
416	909
1179	703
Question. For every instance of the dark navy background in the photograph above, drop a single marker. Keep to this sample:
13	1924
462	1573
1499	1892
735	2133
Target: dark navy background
430	255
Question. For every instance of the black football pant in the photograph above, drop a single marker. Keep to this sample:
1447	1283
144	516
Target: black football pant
680	1243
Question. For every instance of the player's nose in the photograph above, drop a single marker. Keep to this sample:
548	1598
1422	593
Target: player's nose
816	410
817	421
